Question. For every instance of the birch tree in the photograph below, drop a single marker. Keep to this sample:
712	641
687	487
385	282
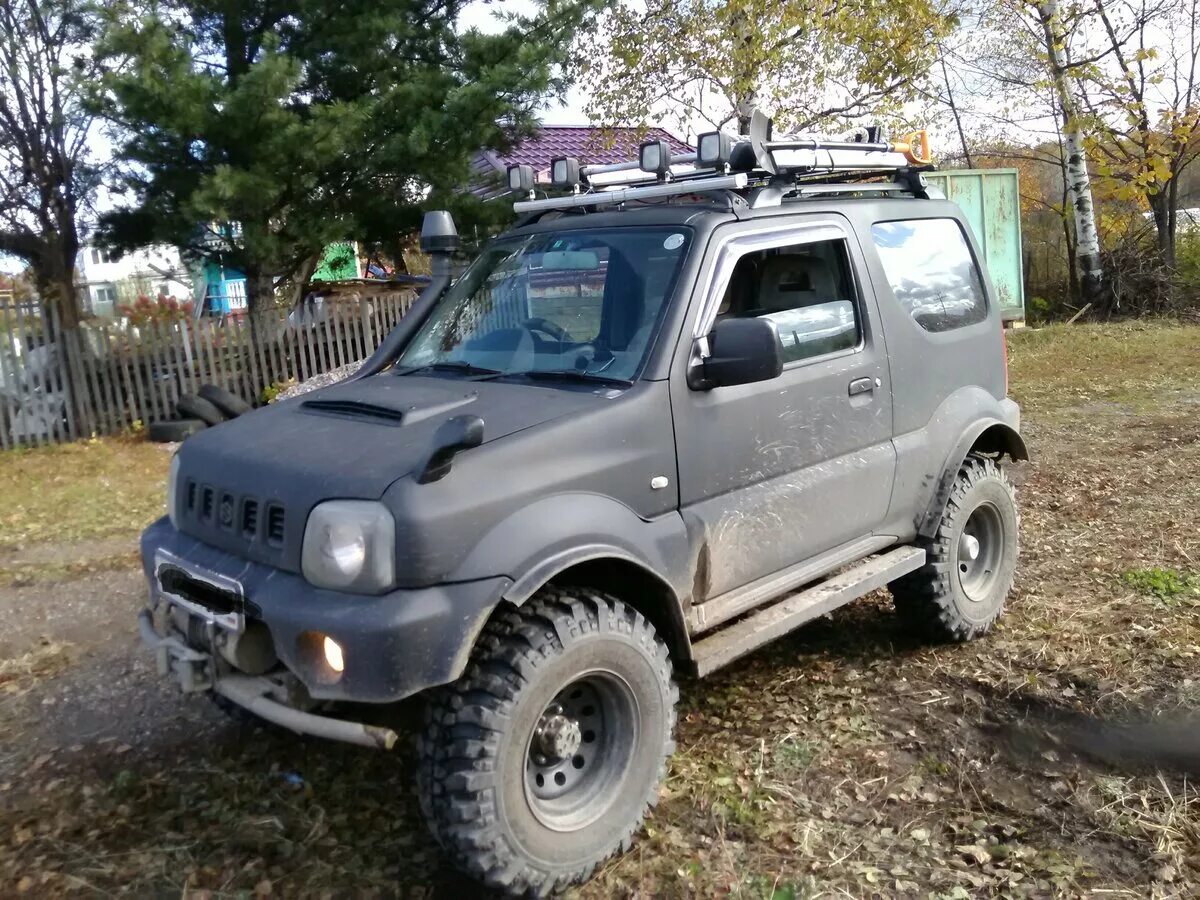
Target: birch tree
1079	184
1143	98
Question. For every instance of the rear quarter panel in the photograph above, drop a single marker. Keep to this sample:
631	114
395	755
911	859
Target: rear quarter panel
943	383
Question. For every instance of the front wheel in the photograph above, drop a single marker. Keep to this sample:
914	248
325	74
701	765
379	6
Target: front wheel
542	760
960	591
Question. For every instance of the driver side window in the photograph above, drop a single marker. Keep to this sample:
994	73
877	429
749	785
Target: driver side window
805	290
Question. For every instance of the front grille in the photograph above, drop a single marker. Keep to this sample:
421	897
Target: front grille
275	524
249	517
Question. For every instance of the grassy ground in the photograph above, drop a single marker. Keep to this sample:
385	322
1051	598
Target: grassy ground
1053	758
76	508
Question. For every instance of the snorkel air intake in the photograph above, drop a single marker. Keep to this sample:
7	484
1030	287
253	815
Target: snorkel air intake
439	239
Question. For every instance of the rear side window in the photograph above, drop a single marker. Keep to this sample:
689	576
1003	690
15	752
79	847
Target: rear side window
931	271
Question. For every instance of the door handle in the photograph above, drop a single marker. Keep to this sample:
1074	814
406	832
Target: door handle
861	386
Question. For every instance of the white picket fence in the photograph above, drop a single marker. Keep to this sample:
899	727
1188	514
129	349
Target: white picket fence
59	385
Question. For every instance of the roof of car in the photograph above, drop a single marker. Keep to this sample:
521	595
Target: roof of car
693	212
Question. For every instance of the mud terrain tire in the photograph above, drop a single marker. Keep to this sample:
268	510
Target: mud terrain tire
543	759
189	406
170	432
960	591
230	405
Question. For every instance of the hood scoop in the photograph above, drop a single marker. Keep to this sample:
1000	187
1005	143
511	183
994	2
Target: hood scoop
355	409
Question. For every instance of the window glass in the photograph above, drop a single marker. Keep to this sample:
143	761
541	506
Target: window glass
932	274
583	301
806	291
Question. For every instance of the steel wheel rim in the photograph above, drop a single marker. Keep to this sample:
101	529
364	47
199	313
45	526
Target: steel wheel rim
980	552
579	751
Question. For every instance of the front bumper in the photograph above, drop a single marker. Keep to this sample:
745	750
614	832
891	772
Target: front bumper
394	645
265	696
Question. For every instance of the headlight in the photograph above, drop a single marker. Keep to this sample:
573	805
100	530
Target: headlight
173	490
350	545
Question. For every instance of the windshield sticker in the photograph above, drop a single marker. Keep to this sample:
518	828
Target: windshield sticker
674	242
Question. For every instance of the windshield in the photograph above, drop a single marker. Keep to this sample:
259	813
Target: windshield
577	303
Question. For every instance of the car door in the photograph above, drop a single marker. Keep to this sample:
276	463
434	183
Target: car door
776	473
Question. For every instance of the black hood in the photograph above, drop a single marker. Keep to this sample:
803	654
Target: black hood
348	441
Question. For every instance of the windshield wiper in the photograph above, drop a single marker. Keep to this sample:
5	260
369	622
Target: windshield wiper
464	368
571	375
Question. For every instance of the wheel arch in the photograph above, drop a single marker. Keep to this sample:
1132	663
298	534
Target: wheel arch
616	572
988	436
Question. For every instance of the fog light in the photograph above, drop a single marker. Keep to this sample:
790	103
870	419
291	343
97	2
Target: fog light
333	654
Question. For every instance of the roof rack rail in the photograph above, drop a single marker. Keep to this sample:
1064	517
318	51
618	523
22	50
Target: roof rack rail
768	169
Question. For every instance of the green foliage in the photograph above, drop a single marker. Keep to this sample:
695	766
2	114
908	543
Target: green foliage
271	391
309	123
810	62
1165	584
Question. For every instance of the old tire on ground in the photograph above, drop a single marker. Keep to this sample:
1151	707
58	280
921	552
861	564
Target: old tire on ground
229	404
189	406
542	761
170	432
960	591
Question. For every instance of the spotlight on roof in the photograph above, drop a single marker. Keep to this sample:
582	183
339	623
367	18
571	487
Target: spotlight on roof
655	157
713	150
565	172
520	178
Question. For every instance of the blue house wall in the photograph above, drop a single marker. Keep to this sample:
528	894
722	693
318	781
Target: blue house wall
224	289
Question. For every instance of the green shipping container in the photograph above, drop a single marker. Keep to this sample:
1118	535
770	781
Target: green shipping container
991	200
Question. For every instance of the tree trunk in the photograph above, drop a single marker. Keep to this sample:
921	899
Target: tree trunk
1072	272
1160	208
299	280
745	108
1079	184
260	290
1172	220
962	137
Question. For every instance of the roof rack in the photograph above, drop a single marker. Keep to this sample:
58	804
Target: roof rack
763	168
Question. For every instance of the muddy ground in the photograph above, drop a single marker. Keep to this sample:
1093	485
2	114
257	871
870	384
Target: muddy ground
1053	758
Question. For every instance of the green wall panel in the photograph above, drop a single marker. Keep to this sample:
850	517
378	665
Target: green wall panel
991	201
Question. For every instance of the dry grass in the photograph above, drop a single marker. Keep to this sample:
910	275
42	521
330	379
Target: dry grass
1054	758
83	491
76	508
46	659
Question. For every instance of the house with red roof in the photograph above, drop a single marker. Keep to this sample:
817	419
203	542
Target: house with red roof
590	145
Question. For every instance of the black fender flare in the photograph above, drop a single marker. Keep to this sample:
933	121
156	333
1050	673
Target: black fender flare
666	616
644	561
986	435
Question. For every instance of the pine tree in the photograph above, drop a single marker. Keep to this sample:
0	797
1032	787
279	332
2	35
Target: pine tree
256	131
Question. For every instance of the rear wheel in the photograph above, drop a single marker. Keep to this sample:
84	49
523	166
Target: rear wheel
960	591
543	759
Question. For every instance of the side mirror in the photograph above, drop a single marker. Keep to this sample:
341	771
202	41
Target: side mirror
743	351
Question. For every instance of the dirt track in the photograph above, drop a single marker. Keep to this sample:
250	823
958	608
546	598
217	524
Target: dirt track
1053	757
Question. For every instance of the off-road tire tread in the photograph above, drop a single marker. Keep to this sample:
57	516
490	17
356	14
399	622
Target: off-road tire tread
456	783
189	406
229	404
173	431
925	597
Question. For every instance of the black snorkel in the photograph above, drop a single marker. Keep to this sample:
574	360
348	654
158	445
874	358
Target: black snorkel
439	239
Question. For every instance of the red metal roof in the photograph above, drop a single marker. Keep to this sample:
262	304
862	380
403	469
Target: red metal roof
596	146
590	145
